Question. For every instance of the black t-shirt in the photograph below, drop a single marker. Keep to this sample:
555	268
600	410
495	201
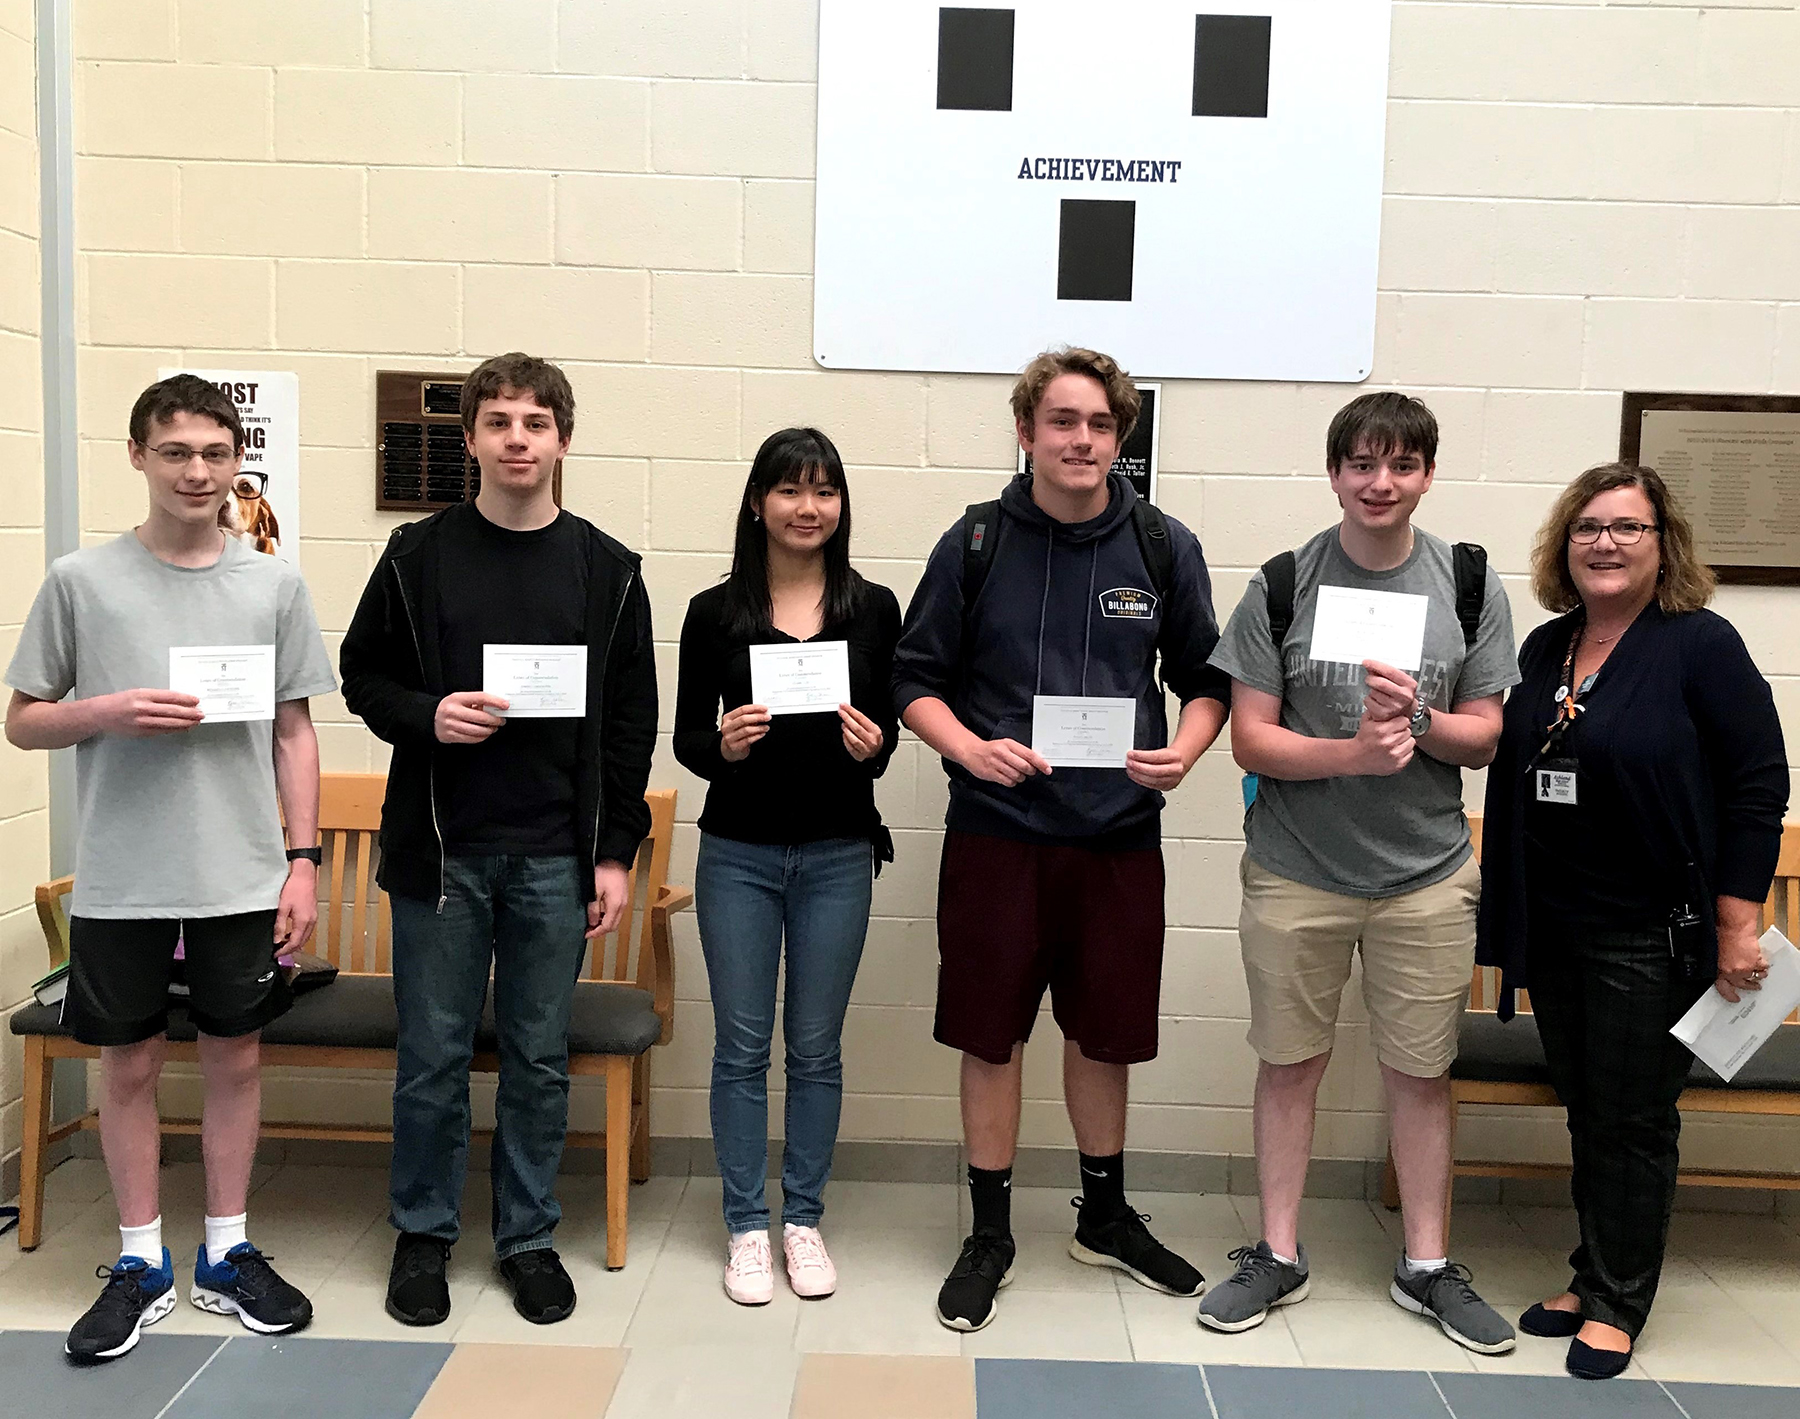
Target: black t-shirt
798	783
514	793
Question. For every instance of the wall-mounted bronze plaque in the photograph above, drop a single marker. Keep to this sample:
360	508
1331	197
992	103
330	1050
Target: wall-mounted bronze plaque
1733	461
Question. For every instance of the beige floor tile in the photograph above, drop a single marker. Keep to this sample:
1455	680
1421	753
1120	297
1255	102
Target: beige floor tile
888	1206
604	1304
351	1303
684	1301
876	1318
480	1381
1344	1219
1474	1225
1163	1329
1705	1235
1371	1335
583	1196
1053	1325
1535	1356
1550	1228
913	1258
1043	1263
740	1381
884	1387
1725	1347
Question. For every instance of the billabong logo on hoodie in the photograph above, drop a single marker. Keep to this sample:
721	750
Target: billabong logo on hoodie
1127	603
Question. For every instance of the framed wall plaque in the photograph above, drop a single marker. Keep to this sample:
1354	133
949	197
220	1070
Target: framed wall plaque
1733	461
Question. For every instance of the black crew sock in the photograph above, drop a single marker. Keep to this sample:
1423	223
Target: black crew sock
1102	1186
990	1194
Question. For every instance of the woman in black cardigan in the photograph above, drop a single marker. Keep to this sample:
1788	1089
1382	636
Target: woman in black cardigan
1633	822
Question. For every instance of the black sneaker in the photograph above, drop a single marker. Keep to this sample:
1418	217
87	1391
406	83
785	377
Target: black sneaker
966	1299
137	1294
245	1285
542	1290
1124	1243
418	1282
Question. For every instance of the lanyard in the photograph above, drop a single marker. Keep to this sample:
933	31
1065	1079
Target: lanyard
1569	706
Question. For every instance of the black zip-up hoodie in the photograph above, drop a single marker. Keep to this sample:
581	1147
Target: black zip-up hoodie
394	678
1049	621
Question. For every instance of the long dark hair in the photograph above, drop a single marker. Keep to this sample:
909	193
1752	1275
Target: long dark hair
790	456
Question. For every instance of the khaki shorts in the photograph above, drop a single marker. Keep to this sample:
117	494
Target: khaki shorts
1418	952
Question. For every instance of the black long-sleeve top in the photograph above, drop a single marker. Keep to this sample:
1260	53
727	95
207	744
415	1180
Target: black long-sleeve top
798	783
1681	731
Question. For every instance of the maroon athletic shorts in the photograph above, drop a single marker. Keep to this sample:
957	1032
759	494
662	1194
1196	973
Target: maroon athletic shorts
1016	917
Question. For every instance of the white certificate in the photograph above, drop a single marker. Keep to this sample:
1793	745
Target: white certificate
1353	626
812	677
537	681
1724	1035
234	683
1082	731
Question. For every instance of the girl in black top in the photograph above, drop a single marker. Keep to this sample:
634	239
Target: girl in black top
1633	822
790	839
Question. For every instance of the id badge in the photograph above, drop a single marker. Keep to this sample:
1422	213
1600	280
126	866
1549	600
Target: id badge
1558	782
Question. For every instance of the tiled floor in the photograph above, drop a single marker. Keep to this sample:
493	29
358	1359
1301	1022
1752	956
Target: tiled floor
660	1339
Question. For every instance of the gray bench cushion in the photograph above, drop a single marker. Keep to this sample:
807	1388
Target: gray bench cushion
1493	1053
357	1012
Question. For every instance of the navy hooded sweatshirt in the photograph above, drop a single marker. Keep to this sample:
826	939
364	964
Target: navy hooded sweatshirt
1050	621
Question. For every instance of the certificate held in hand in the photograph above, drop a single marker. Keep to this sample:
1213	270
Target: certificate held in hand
1083	731
811	677
235	684
536	681
1352	626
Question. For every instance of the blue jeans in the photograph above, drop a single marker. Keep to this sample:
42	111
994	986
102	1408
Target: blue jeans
524	918
748	896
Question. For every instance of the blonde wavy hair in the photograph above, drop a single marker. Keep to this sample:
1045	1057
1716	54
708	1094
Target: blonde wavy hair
1683	583
1122	396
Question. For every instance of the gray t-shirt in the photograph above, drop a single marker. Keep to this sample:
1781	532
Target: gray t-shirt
175	825
1365	836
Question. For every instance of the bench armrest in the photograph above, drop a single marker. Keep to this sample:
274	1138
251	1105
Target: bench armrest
668	901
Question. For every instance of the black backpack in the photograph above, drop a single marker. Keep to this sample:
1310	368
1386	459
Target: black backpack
981	532
1469	560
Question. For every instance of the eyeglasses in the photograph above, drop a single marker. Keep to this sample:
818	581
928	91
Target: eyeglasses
178	455
1624	533
249	486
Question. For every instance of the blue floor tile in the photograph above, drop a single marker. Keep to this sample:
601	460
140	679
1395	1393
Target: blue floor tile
1250	1392
297	1378
1553	1396
40	1381
1082	1389
1736	1401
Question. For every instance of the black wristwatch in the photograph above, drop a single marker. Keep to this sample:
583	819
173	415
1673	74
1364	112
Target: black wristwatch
314	855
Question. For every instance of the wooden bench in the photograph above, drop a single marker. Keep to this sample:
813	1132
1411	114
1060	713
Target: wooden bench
1503	1063
624	1004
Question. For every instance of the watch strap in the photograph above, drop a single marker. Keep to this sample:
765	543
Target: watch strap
314	855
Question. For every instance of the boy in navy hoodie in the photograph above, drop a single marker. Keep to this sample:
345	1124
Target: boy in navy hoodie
1054	877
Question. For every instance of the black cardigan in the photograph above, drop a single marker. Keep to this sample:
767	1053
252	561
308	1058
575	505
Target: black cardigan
1706	777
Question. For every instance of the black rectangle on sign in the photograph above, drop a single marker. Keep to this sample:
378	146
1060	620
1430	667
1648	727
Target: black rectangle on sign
1095	254
975	59
1231	66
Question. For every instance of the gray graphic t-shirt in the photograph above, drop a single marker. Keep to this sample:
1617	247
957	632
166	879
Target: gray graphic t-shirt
175	825
1365	836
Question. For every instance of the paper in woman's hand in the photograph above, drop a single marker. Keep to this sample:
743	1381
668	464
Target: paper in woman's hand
1724	1036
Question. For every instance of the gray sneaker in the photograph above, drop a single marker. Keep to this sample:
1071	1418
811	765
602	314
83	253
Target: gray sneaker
1260	1283
1447	1297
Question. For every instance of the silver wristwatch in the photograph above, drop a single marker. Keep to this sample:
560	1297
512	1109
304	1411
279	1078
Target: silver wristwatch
1421	721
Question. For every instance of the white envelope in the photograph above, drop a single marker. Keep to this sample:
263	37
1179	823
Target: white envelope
1083	731
235	684
1352	626
1725	1036
811	677
537	681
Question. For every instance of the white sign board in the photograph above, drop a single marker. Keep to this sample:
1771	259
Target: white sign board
1192	187
268	405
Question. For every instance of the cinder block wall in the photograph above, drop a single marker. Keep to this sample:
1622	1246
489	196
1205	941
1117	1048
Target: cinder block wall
1582	198
24	821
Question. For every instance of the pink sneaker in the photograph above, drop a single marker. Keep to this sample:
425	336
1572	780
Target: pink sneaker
809	1268
750	1274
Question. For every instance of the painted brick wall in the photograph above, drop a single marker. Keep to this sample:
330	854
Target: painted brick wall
1582	197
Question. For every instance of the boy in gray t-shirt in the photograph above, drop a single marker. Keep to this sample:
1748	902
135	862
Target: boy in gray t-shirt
1356	841
179	835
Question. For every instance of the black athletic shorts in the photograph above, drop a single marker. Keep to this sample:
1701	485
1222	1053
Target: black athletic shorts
119	974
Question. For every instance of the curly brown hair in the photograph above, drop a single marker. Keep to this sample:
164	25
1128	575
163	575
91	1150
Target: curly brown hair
1121	394
523	374
1684	583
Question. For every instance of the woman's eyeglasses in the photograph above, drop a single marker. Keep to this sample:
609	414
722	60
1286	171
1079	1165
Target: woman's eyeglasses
1627	530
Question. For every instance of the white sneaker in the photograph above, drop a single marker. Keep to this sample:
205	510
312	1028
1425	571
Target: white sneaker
750	1274
809	1267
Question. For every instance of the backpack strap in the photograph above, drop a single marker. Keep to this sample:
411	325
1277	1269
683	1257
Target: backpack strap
1278	581
980	533
1152	530
1471	564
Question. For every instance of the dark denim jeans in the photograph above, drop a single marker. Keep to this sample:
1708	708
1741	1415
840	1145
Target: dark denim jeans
524	918
748	897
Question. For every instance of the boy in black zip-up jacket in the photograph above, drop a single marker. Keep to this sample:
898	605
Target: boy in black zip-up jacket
1053	878
505	841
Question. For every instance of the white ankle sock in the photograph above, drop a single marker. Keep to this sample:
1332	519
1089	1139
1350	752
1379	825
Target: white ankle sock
222	1234
1418	1268
144	1242
1284	1260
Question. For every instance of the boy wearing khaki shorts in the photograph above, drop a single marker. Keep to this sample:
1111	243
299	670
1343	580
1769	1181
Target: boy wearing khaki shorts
1356	842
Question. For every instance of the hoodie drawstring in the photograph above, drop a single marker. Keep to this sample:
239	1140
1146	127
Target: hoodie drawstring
1087	640
1044	609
